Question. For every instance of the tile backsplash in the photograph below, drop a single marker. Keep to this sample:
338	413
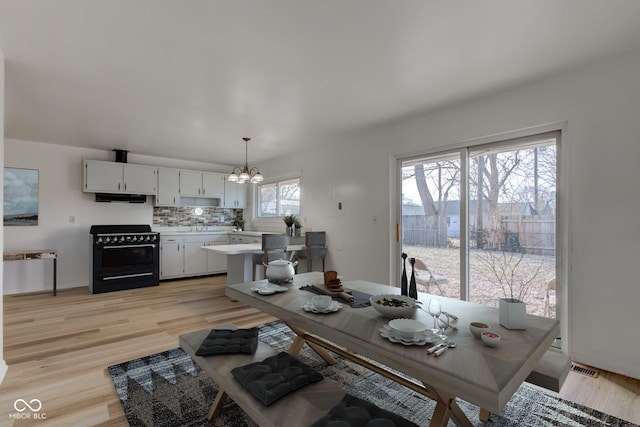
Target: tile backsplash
184	216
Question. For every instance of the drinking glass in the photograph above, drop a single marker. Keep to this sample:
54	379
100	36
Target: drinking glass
435	310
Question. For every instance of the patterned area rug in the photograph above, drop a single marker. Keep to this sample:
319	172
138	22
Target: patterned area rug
167	389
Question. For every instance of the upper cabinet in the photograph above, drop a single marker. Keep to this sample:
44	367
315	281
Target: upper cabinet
168	187
201	184
113	177
235	195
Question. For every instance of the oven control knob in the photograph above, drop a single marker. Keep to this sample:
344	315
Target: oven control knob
99	240
107	239
122	239
134	239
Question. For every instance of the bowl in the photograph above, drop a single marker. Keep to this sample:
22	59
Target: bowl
393	306
490	338
477	328
407	328
321	302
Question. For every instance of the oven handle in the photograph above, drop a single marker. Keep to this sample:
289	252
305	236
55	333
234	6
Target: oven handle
129	246
127	276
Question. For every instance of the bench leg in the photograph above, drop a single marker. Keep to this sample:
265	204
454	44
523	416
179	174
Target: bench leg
218	403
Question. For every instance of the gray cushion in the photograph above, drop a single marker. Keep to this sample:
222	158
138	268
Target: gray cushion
355	412
227	341
275	377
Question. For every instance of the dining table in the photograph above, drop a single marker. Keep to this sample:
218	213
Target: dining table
482	375
240	259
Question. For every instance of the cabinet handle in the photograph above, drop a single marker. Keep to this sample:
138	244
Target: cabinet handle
125	186
118	186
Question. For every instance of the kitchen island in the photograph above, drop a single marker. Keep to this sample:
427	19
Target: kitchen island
240	259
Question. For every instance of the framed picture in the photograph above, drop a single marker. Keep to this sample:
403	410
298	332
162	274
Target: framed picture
20	196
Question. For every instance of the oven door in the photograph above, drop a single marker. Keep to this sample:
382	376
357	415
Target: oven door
118	267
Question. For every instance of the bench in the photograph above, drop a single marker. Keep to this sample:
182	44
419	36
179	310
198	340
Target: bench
302	407
551	371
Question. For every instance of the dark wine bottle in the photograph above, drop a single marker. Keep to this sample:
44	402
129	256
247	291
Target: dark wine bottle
403	283
413	290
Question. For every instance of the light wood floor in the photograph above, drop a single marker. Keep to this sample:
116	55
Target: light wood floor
58	348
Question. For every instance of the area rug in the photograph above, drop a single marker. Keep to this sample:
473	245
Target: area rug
167	390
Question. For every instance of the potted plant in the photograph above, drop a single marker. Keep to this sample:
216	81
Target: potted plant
505	270
239	223
298	227
289	220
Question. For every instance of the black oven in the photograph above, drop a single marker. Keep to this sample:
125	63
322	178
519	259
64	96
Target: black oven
123	257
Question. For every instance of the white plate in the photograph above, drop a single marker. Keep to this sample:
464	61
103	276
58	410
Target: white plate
269	289
427	337
333	307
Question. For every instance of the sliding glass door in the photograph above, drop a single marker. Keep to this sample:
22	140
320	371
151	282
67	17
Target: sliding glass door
483	221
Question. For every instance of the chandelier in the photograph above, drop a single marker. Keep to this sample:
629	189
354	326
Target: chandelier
245	174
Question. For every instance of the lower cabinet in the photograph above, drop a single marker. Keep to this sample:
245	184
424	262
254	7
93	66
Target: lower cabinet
182	256
171	257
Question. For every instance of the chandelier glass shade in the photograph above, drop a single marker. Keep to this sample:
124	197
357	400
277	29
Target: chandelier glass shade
244	174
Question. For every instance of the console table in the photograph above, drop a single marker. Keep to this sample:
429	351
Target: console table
35	254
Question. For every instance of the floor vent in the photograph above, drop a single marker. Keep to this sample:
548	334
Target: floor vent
590	372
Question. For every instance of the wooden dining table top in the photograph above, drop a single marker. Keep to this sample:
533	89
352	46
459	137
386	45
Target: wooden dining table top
482	375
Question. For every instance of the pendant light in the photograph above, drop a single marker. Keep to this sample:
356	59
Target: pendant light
246	175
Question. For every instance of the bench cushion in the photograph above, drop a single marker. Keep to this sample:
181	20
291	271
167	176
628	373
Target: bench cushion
227	341
275	377
352	411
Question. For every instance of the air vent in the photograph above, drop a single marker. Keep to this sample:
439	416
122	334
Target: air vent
590	372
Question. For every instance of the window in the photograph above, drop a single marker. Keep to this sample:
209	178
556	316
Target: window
277	199
483	219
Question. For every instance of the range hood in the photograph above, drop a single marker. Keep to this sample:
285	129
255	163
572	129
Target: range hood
117	197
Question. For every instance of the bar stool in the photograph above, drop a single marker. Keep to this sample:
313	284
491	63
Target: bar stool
315	248
274	246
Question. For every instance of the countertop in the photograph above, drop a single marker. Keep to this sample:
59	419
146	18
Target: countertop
181	231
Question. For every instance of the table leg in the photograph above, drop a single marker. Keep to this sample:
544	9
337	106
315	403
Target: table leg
300	341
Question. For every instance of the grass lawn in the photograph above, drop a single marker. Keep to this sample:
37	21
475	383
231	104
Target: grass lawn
483	285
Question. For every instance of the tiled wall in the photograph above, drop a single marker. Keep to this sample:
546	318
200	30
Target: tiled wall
183	216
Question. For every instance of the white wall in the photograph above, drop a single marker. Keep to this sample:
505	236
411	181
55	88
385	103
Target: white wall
600	104
61	197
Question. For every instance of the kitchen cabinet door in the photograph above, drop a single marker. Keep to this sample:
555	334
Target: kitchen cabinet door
168	187
190	183
235	195
195	258
213	185
171	258
103	177
140	179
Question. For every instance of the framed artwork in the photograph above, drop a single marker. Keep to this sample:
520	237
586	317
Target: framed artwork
20	196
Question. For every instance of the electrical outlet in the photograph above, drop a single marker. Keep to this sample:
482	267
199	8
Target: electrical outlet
72	219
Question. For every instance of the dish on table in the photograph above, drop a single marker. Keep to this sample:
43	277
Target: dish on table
393	306
333	307
427	337
269	289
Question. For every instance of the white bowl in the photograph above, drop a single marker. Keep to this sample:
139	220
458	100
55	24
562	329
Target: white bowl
407	328
490	338
321	302
477	328
384	304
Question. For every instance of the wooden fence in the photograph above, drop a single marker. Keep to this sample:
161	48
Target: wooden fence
423	230
536	234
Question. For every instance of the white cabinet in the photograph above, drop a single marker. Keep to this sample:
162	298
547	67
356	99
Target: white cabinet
217	263
237	239
113	177
195	258
213	185
140	179
201	184
168	187
171	257
183	256
235	195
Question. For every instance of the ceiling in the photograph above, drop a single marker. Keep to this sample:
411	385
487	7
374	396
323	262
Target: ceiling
188	79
